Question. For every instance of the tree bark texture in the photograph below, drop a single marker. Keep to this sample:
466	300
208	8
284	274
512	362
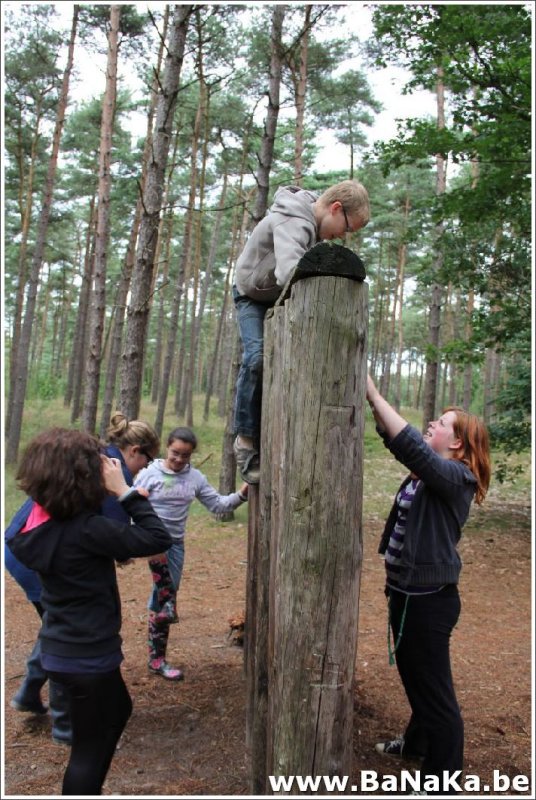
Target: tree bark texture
25	206
434	325
300	91
130	255
75	385
300	671
142	279
270	125
98	296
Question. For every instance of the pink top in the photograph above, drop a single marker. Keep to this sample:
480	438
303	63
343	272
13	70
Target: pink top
38	515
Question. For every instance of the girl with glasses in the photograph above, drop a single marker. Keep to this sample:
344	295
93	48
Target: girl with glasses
173	484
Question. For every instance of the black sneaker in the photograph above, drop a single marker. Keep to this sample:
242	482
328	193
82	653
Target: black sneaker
392	748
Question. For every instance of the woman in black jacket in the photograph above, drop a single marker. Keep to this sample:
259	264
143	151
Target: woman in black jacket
74	549
449	467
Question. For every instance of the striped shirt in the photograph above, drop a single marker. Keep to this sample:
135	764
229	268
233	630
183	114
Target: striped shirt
393	553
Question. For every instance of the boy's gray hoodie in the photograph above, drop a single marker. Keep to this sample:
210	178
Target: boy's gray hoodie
276	245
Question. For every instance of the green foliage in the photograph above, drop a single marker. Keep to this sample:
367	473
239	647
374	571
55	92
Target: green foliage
483	52
131	23
463	351
512	431
505	472
485	214
382	473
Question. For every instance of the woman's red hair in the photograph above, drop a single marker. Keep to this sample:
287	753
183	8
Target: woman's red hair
475	448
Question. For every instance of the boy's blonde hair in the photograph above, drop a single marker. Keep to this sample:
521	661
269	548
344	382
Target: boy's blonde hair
353	196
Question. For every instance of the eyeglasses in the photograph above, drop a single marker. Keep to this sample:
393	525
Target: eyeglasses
179	456
147	455
348	228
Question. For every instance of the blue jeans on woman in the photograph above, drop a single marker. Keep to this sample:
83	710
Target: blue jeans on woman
248	401
29	696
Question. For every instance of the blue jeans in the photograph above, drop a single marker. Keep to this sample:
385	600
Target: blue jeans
248	400
29	694
175	557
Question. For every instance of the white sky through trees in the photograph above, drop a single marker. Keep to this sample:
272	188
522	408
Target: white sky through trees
386	84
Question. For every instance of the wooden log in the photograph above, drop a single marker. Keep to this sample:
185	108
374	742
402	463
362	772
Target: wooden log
250	630
316	542
325	259
259	549
304	545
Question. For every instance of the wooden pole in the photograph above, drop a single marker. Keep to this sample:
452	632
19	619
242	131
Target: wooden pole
305	537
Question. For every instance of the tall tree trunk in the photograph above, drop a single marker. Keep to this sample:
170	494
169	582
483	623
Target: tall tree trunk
183	278
161	274
227	481
491	382
401	267
41	316
207	278
468	370
142	280
217	348
387	342
434	326
116	331
180	400
98	304
224	366
196	260
270	124
447	335
63	313
165	232
237	239
377	304
300	94
419	386
166	371
75	385
126	274
25	206
21	367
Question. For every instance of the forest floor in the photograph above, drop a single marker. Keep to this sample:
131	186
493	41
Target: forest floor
188	739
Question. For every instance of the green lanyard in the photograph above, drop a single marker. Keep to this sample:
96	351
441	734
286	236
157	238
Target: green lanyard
390	649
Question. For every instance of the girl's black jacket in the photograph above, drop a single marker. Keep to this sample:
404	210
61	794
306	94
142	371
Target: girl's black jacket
75	559
437	514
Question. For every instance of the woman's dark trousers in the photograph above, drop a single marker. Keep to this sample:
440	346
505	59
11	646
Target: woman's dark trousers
100	707
435	731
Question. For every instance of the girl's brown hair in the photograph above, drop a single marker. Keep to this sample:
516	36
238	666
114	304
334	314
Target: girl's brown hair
62	471
123	432
475	448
